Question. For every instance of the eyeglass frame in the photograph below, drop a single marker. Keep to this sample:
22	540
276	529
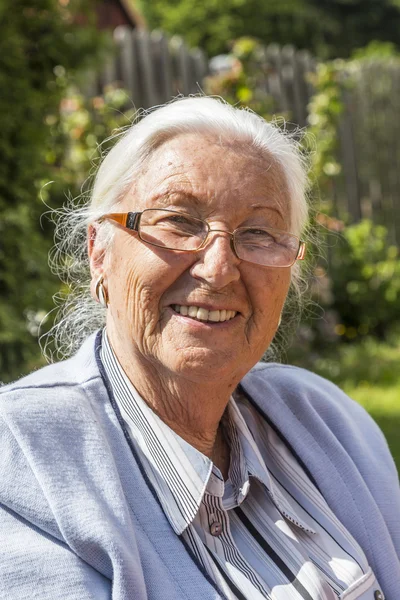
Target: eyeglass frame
131	221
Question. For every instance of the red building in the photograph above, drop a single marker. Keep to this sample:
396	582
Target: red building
111	13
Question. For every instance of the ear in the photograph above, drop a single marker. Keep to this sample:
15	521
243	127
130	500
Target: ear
95	251
96	255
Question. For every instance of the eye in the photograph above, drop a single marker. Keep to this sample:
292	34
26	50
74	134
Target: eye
254	234
179	219
258	232
178	223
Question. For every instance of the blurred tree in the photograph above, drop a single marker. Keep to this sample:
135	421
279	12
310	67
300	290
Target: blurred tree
328	28
40	48
355	23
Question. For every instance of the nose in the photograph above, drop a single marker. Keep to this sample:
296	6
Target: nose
217	263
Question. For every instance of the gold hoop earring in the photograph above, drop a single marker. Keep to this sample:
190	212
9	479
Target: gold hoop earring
101	292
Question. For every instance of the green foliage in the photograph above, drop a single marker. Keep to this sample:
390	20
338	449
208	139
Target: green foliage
355	296
363	265
242	85
376	50
365	274
325	110
366	363
213	25
328	28
81	131
353	24
40	46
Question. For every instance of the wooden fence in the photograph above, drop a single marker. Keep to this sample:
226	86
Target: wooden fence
154	69
369	150
151	67
286	78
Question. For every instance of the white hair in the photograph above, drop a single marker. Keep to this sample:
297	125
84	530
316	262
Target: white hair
78	314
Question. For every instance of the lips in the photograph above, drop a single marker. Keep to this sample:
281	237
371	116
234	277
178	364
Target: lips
202	314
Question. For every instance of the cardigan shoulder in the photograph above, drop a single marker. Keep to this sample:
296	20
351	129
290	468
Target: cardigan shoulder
303	391
319	406
77	370
305	406
43	417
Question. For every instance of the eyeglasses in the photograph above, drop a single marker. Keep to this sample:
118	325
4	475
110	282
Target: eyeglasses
176	231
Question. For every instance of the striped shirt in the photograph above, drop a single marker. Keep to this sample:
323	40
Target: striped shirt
266	532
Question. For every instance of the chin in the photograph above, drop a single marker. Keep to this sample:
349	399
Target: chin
200	364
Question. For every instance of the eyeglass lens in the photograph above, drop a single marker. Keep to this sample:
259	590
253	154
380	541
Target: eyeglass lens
178	231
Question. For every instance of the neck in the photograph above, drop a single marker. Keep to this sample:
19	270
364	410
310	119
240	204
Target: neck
192	409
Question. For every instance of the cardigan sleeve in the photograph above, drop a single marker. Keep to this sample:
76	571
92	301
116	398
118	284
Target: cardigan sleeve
33	553
32	560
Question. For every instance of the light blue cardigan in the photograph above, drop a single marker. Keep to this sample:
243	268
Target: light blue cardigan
79	520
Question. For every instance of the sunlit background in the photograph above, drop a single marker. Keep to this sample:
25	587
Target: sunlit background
72	71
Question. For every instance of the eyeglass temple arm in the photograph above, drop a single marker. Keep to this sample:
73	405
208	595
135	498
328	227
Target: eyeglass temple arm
302	251
129	220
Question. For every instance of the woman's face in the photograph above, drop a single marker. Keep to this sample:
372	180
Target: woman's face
228	186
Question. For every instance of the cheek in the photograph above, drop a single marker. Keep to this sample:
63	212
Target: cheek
282	285
138	286
135	294
140	297
270	294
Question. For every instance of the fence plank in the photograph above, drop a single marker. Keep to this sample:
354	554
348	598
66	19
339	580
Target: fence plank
369	141
128	60
349	160
200	69
146	64
183	66
109	74
164	73
277	83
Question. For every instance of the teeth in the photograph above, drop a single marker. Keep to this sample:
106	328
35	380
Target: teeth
192	312
203	314
214	315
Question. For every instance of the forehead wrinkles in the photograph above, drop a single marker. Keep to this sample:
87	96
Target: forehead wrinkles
189	161
164	168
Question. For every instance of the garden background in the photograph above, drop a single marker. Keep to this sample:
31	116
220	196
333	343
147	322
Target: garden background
72	71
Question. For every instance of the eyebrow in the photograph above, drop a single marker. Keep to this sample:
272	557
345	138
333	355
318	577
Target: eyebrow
263	207
164	199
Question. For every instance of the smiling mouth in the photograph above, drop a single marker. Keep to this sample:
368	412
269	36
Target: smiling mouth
202	314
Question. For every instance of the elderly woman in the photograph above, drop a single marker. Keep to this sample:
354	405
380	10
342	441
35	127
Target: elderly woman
161	462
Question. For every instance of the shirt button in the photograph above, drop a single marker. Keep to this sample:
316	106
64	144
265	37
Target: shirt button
216	530
378	595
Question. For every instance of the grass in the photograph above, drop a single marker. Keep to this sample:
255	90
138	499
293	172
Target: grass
369	372
383	404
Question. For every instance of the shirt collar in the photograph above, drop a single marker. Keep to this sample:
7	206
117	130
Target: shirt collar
256	465
181	474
